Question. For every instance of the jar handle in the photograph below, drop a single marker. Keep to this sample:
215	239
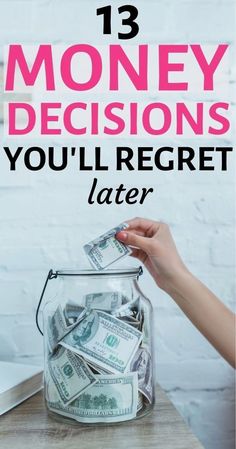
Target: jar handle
50	275
140	271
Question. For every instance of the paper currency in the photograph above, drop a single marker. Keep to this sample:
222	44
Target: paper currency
142	364
107	301
104	340
140	402
99	368
146	319
106	249
71	375
57	327
96	369
73	312
113	398
131	321
129	309
50	391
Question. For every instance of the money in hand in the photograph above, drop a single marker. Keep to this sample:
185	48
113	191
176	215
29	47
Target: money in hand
104	340
71	375
106	249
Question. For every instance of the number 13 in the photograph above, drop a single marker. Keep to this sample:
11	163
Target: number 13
129	21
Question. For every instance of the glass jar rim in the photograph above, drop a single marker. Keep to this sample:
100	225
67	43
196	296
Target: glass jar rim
118	272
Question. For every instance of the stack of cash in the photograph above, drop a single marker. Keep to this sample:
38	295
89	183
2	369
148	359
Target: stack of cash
99	366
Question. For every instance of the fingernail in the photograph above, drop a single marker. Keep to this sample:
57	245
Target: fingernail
122	235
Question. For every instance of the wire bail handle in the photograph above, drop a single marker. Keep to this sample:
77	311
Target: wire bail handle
51	275
140	272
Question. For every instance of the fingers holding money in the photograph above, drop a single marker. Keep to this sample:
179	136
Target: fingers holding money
115	244
139	254
134	240
106	249
143	226
138	234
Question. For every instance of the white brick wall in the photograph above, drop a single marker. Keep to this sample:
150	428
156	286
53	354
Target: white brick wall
44	217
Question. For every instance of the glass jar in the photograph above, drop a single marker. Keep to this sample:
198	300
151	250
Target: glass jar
98	353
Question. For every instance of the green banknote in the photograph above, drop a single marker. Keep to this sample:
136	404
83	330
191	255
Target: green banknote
106	249
113	398
70	374
104	340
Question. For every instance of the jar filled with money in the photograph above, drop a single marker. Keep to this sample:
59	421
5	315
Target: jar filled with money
97	328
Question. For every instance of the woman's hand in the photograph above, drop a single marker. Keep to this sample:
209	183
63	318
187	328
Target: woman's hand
153	245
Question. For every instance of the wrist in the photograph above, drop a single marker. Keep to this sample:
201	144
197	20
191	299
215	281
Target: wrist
178	282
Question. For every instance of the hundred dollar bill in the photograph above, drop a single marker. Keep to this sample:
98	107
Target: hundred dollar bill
96	369
106	249
72	312
104	340
113	398
146	322
50	391
70	374
107	301
142	364
57	328
129	309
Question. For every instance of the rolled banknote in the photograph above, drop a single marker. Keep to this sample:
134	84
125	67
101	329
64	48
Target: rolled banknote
113	398
70	374
104	340
106	249
142	364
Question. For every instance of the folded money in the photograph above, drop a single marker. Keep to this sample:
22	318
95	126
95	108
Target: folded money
96	369
131	309
57	327
106	249
50	391
104	340
131	321
71	375
146	318
142	364
99	367
113	398
72	312
107	301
